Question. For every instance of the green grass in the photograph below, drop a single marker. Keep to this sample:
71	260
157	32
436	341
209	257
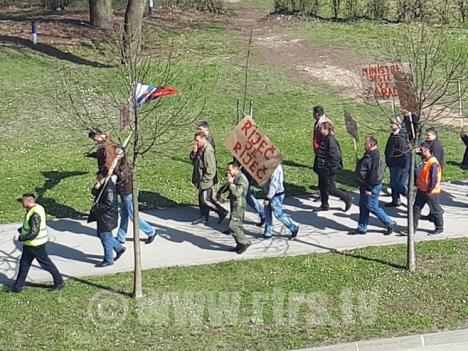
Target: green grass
354	295
42	153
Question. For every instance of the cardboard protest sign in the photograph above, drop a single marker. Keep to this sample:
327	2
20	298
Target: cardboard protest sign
351	126
406	91
379	82
254	151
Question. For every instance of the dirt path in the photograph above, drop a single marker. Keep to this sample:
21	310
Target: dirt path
306	59
296	55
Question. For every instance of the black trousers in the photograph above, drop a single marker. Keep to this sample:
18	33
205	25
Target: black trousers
433	201
39	253
328	187
207	202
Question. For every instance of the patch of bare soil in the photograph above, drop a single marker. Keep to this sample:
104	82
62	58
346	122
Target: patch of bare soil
304	59
298	56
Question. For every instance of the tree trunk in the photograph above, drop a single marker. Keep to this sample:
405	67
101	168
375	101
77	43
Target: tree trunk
137	276
100	13
132	28
411	257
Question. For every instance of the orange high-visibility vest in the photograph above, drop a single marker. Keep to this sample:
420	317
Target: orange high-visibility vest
424	176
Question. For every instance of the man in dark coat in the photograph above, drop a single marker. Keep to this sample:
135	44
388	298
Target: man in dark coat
369	173
437	150
327	163
106	213
396	158
410	124
464	138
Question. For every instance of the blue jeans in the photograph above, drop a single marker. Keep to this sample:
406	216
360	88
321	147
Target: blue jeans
110	244
370	204
255	204
276	208
398	183
126	212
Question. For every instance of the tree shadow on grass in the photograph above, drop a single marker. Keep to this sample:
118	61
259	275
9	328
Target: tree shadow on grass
53	208
354	255
45	16
50	51
295	164
150	200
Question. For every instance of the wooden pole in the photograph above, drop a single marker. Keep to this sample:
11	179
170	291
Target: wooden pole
355	149
460	104
246	78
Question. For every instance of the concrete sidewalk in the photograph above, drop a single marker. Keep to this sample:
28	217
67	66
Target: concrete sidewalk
75	248
455	340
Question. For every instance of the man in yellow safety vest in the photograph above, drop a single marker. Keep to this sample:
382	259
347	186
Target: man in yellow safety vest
33	234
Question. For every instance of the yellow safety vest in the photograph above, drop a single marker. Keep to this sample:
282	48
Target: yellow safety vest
41	238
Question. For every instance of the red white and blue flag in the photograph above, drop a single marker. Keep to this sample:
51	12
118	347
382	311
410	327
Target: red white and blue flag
147	93
144	94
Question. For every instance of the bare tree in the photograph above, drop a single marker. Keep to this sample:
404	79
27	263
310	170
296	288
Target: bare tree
132	27
438	62
100	13
103	99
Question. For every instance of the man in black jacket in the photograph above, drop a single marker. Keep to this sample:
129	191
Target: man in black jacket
106	212
410	124
437	150
327	163
464	138
396	158
369	174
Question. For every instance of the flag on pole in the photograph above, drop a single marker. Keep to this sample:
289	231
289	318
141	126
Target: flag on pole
147	93
144	94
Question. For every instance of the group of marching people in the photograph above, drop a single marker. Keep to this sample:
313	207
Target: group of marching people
327	163
371	167
114	181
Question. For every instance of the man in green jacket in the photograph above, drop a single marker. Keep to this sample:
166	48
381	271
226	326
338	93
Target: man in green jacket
34	236
204	177
238	187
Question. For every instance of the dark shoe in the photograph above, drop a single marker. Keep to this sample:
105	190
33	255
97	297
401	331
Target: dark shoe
356	232
321	208
200	220
226	231
234	249
294	233
151	238
120	253
392	204
427	218
317	199
390	228
404	232
57	287
222	216
261	223
13	290
242	248
436	232
104	264
348	204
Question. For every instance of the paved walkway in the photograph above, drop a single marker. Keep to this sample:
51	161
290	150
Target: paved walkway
75	248
455	340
